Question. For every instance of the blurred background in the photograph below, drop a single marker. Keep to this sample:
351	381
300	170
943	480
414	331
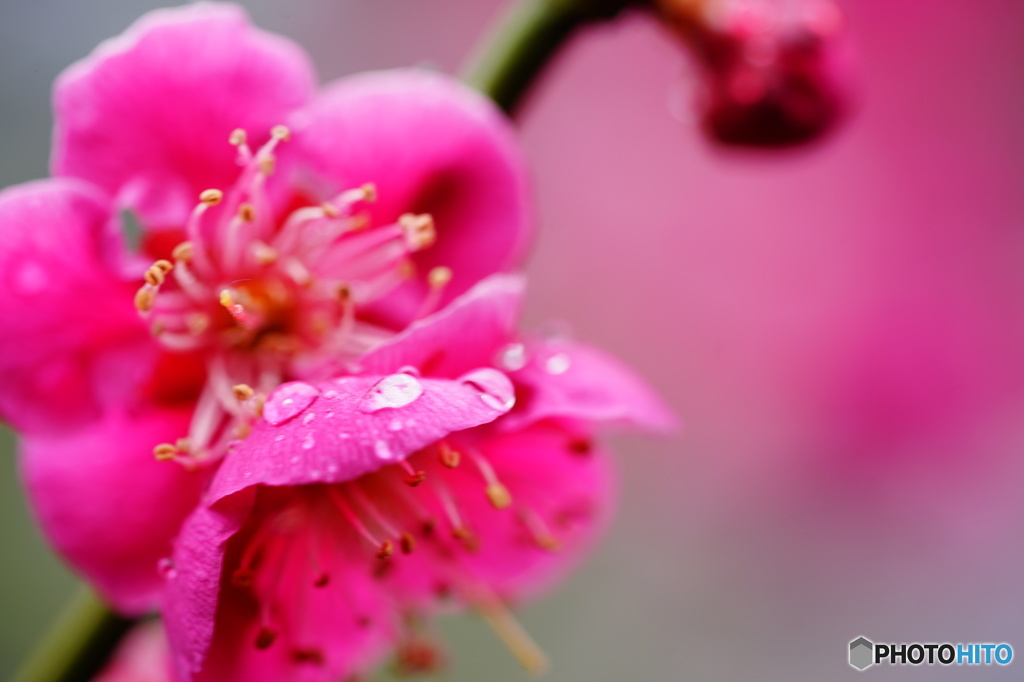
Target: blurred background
841	328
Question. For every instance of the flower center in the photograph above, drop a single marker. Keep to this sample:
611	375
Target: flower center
266	298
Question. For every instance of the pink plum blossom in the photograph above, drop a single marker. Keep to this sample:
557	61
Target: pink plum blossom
284	232
457	466
774	73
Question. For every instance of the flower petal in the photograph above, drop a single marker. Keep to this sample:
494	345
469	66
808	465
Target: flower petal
214	624
72	339
561	496
141	657
567	379
148	114
347	427
107	505
467	333
430	145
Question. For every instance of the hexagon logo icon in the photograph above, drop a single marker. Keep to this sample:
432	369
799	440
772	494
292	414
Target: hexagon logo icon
862	653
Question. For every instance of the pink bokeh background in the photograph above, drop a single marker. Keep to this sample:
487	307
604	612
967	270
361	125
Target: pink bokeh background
841	328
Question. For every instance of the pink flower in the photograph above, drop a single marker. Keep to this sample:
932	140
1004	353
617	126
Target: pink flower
335	219
458	467
775	73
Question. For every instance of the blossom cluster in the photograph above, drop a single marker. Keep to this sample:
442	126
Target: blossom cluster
298	418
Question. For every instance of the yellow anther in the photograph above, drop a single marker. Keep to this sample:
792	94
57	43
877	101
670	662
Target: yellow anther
225	298
267	165
439	277
419	230
154	276
265	255
164	265
165	451
281	132
369	192
144	298
242	392
407	269
183	251
247	212
198	323
183	445
211	197
237	138
330	210
498	496
450	458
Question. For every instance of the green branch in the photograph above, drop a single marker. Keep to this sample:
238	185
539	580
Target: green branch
524	41
78	644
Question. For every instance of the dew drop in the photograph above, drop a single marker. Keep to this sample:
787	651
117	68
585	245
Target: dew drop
308	419
278	438
494	387
383	450
308	442
165	567
513	357
558	363
289	400
395	425
330	393
410	370
397	390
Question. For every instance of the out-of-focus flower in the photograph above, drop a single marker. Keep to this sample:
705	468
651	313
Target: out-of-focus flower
143	656
774	72
456	467
277	259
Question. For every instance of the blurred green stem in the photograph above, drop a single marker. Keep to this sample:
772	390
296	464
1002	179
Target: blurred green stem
525	39
77	645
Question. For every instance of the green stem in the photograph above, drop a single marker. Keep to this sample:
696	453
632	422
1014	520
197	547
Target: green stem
525	39
77	645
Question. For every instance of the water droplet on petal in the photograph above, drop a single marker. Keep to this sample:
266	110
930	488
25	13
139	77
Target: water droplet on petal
513	357
308	419
410	370
397	390
329	414
495	389
278	438
395	425
383	450
331	393
289	400
165	567
308	442
558	363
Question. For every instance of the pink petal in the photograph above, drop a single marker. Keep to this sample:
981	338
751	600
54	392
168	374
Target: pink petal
468	333
148	114
568	379
72	339
141	657
561	488
107	505
357	425
430	145
214	624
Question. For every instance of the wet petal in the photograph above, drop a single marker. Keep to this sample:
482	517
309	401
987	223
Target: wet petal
467	333
430	145
72	339
358	425
567	379
107	505
148	114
